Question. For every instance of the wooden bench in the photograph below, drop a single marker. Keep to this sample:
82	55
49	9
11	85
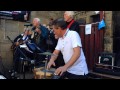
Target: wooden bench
104	76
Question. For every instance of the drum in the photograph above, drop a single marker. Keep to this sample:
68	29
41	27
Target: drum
39	73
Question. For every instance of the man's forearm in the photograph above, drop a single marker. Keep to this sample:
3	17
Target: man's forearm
54	56
74	58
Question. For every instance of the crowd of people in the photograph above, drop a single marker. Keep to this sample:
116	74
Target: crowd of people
61	38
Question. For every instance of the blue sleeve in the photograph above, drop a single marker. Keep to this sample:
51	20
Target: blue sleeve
44	31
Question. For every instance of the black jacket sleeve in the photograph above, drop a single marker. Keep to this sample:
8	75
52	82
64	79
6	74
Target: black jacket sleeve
18	38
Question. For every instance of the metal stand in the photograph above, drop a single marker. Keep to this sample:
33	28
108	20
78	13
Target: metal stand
23	69
46	60
23	64
26	58
45	66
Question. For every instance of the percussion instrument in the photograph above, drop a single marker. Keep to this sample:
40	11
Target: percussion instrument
39	73
47	53
43	73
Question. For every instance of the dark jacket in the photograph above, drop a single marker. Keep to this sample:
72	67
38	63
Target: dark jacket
74	26
42	38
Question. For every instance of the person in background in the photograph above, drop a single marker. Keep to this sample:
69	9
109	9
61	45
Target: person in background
71	23
39	38
19	51
40	34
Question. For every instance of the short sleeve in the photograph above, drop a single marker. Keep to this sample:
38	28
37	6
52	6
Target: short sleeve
76	40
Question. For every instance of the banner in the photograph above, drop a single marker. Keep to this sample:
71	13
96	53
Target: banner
15	15
101	24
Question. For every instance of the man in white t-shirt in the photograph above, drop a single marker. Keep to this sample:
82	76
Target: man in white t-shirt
69	44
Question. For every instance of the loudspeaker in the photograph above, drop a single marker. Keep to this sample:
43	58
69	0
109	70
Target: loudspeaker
107	59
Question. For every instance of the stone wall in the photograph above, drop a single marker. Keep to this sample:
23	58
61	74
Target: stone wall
46	15
108	40
13	28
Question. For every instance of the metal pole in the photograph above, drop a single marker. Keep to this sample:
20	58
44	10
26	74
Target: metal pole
23	69
45	66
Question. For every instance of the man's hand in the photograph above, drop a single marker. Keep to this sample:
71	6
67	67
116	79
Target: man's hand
38	30
60	70
50	63
17	43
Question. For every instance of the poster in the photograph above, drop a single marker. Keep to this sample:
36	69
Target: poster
88	29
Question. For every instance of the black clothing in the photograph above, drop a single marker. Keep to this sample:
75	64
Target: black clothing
75	26
40	39
19	53
51	41
72	76
59	61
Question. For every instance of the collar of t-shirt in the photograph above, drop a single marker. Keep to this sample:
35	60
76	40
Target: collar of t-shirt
65	33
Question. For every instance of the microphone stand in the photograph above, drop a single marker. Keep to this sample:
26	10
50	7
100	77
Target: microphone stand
45	66
47	56
48	41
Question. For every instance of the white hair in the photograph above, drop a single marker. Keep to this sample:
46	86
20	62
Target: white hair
70	13
38	20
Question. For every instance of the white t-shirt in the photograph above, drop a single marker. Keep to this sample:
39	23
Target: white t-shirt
66	45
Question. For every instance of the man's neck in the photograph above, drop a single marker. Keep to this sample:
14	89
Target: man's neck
63	32
70	20
38	25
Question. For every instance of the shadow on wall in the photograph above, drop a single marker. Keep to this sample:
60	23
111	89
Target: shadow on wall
3	71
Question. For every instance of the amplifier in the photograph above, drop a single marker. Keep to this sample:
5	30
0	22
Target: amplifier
107	60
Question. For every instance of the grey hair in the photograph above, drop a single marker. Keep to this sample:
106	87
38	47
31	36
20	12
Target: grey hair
38	20
70	13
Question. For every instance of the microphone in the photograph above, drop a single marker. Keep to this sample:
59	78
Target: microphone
33	28
28	25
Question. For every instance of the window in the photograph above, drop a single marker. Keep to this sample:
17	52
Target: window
95	18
